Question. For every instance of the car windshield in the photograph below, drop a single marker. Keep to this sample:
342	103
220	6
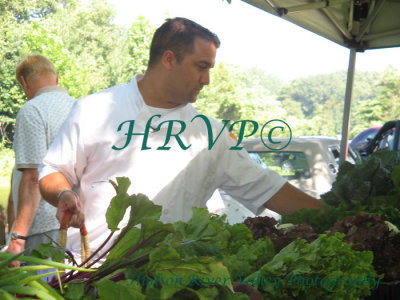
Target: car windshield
256	158
289	164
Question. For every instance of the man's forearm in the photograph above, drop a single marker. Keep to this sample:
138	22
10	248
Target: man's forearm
289	199
10	207
28	201
51	185
10	211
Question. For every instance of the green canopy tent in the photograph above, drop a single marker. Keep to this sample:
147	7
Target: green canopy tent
356	24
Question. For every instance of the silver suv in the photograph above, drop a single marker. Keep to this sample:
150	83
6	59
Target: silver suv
309	163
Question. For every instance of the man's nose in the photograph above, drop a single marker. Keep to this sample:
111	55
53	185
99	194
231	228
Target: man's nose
205	78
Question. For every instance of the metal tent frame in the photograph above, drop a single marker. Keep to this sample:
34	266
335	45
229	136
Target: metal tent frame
355	24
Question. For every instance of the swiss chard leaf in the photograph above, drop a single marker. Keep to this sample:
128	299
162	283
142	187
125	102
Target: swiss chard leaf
118	290
49	251
119	203
143	209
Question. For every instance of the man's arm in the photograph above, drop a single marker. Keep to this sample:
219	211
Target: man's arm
28	202
10	208
289	199
10	212
51	186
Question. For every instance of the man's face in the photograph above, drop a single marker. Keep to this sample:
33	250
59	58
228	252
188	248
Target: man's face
190	75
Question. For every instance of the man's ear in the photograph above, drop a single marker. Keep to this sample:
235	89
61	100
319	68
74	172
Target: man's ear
24	83
57	79
168	59
26	87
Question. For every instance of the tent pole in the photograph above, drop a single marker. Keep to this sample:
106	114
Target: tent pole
347	103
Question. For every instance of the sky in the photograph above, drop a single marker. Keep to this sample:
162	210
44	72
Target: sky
251	37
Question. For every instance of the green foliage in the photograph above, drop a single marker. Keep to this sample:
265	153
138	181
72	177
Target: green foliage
92	53
371	186
79	38
235	94
321	99
198	259
48	251
313	217
231	244
186	259
11	95
90	37
23	281
316	271
155	253
6	166
385	106
20	10
314	90
139	40
16	34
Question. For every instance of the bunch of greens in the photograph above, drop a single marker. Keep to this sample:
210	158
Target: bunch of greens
264	227
371	233
372	186
233	245
153	260
23	281
204	258
324	269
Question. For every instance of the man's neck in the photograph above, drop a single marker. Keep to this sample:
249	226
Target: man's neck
151	91
48	89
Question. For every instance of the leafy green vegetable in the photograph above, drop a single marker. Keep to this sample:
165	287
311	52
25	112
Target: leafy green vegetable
316	270
24	281
49	251
372	186
204	258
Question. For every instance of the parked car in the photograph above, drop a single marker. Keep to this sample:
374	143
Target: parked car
387	137
361	139
309	163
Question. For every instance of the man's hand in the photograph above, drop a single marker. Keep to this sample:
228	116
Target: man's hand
69	202
15	247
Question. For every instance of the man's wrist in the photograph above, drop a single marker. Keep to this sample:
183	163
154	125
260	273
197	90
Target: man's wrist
66	191
16	236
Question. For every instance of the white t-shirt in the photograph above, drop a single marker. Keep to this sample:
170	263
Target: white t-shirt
36	126
177	179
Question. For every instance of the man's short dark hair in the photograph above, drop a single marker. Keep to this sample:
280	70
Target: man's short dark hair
178	35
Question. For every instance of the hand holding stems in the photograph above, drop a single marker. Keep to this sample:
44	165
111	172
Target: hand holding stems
69	202
15	247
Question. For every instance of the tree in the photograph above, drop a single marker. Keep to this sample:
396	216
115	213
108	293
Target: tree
255	76
314	90
11	96
232	96
16	17
322	100
21	11
89	51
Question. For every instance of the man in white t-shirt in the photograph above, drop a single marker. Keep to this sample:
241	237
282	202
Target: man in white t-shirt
149	131
36	127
